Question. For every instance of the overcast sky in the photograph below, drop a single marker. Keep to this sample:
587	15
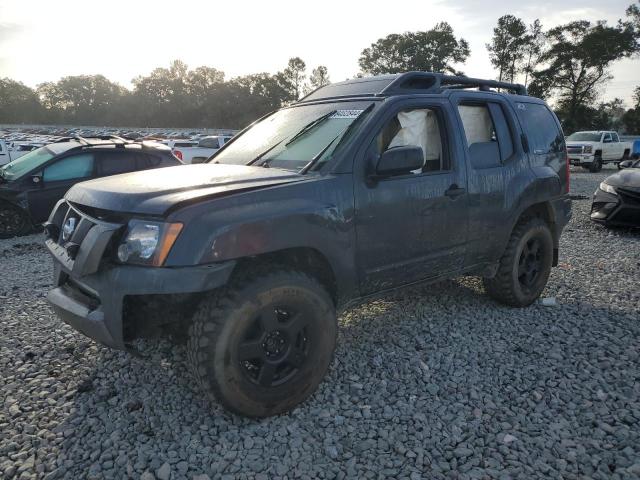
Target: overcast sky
45	40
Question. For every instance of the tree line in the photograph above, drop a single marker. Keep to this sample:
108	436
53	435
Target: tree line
568	65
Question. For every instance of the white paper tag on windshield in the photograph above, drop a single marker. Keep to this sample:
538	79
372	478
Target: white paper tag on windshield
347	114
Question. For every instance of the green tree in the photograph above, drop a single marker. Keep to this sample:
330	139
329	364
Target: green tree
577	62
292	78
435	50
507	47
18	103
631	118
319	77
533	49
81	99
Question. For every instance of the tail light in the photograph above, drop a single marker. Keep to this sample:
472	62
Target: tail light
566	158
178	154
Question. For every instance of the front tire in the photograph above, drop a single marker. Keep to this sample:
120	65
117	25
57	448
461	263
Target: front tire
596	165
525	265
14	222
262	345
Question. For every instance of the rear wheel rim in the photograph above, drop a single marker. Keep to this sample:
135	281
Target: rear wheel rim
275	346
531	263
11	221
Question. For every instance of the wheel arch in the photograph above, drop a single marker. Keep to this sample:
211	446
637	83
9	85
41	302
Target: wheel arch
306	259
545	211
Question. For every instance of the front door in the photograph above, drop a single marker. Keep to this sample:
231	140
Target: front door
414	226
56	179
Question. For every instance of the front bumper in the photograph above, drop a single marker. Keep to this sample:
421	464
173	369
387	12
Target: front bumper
89	290
622	209
582	159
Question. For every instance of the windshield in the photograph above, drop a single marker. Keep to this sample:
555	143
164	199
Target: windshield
584	137
32	160
295	137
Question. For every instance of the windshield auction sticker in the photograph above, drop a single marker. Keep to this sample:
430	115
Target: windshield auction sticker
347	114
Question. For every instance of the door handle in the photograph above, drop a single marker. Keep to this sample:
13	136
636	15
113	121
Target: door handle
454	191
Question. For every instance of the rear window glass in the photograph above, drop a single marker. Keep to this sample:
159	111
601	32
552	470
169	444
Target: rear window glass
209	143
541	128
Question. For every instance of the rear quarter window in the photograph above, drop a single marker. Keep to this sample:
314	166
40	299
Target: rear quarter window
541	127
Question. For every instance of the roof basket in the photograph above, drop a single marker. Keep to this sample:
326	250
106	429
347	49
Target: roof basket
423	82
407	83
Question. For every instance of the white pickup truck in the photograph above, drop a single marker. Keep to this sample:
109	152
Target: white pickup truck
206	147
591	150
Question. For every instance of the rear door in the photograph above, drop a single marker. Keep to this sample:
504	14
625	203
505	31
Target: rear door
116	162
617	147
58	177
493	160
414	226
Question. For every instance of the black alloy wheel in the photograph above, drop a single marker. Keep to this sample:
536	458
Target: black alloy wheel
274	346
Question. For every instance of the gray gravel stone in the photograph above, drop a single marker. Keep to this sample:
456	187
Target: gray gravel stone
431	382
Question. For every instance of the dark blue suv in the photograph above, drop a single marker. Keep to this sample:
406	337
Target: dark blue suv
31	185
361	187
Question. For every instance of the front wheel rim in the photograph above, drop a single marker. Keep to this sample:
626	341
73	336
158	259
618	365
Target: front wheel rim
11	222
275	345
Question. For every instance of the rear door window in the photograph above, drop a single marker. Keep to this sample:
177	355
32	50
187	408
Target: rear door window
114	163
541	128
488	135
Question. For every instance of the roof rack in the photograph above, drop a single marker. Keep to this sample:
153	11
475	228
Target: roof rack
407	83
411	82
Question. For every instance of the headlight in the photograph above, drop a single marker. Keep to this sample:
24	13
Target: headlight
148	243
588	149
605	187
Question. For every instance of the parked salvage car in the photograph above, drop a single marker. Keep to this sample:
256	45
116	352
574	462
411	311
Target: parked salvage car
31	185
361	187
591	150
206	147
616	202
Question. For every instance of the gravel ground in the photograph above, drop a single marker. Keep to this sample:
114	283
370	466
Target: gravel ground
436	382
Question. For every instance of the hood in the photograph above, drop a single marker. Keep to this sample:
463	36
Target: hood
627	178
153	192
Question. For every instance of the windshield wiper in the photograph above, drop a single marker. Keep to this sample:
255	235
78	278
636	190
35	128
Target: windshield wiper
309	126
342	134
257	159
304	129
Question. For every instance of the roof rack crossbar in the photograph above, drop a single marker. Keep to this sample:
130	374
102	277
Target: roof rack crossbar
427	82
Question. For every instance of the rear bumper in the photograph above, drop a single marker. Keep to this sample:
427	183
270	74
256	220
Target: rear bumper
562	214
93	304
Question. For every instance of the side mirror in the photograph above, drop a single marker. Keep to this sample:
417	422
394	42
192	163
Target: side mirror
399	161
36	180
607	140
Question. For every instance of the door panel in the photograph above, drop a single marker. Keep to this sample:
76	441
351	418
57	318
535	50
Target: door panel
407	227
58	177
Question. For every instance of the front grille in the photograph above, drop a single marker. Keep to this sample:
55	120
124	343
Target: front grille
78	241
574	150
73	225
629	196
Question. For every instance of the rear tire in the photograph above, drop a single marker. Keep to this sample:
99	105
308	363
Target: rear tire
14	222
262	345
525	265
